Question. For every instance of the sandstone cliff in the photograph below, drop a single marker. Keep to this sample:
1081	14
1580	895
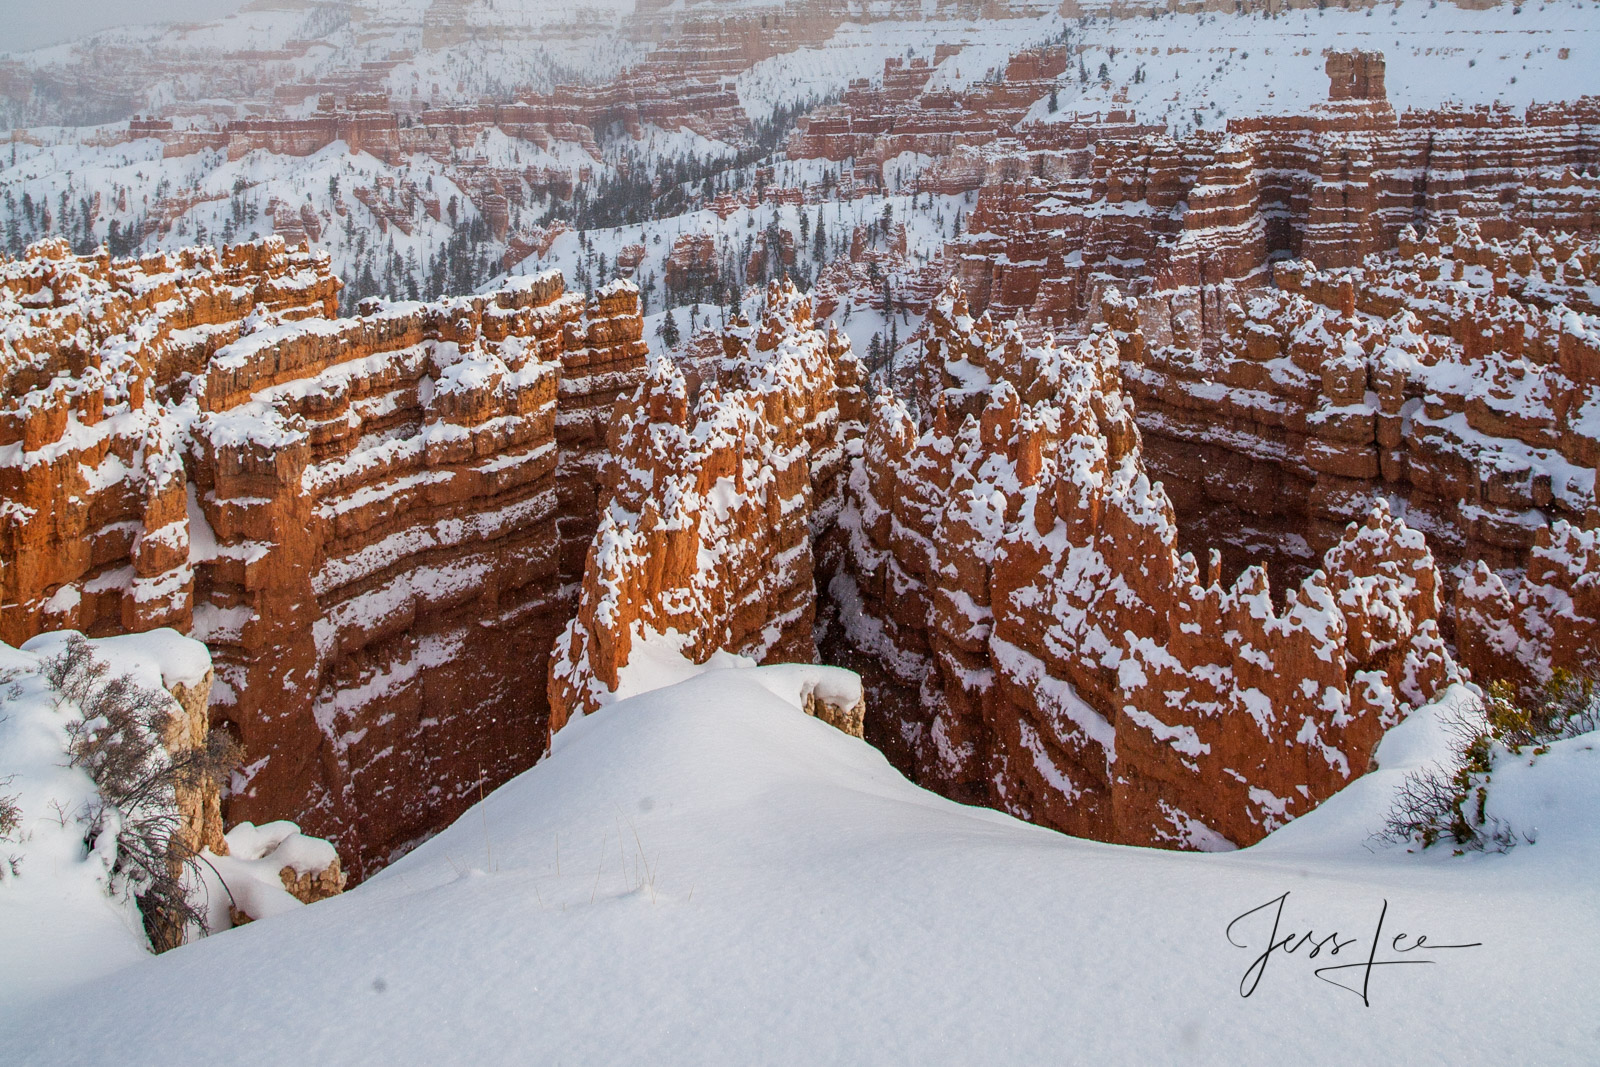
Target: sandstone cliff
1453	377
1015	571
366	519
712	506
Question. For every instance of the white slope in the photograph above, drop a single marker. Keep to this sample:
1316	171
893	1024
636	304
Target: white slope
1220	66
703	874
63	916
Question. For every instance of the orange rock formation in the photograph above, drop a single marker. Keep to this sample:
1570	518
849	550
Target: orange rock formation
1012	560
712	506
366	519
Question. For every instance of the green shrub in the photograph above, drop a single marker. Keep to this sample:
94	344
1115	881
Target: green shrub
1450	802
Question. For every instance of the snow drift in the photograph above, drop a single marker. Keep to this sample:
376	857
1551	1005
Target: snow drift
702	873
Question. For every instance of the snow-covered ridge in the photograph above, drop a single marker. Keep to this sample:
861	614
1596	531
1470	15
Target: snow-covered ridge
748	884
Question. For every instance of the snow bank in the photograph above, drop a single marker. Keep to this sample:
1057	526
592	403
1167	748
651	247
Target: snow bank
702	874
249	877
657	661
63	916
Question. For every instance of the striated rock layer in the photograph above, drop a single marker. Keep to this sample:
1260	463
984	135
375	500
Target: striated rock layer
1129	207
364	518
1016	574
713	503
1454	378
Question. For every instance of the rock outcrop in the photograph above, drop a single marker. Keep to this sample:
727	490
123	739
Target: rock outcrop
366	519
59	682
1523	629
712	506
1015	572
1453	377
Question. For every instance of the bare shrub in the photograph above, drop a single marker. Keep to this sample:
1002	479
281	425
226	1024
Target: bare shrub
10	811
1451	801
119	742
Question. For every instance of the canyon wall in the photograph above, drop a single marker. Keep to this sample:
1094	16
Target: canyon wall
1015	572
365	519
1456	377
1056	223
713	501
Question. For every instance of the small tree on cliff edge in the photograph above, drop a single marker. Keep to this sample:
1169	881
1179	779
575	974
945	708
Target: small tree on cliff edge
669	330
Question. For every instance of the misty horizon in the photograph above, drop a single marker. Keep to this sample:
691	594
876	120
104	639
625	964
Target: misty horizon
32	25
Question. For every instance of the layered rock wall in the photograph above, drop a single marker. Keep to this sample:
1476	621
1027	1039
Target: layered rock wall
713	504
366	519
1146	213
1450	377
1012	563
93	513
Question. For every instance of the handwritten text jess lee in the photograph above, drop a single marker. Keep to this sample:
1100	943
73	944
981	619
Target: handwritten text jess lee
1411	947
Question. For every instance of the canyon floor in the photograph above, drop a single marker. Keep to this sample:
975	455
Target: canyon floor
702	873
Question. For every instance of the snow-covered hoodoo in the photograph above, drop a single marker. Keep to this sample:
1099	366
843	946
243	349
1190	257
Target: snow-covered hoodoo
364	518
1013	565
715	506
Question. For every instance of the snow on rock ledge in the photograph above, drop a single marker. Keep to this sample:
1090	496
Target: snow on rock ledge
1013	558
657	661
268	870
67	910
713	506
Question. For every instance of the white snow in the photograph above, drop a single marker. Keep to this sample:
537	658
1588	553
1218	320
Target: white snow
703	874
1201	70
63	918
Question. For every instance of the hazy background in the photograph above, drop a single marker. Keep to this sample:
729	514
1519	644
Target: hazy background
31	23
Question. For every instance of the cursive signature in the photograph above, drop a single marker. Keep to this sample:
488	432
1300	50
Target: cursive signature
1409	949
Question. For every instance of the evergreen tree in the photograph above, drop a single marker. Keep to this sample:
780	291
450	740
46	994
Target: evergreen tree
669	330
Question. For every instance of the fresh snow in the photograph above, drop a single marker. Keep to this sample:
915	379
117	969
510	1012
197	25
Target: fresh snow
1201	70
701	873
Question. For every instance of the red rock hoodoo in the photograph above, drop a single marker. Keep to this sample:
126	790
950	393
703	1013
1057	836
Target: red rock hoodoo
713	504
365	519
1014	572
